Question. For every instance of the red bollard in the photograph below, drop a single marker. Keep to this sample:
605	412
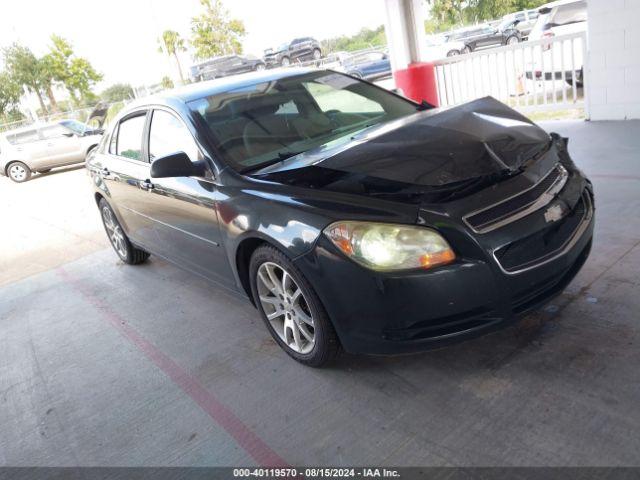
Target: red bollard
418	82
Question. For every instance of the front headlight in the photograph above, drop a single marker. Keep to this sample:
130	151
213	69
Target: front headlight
387	247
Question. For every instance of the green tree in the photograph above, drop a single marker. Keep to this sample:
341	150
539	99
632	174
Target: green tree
213	33
166	83
171	43
117	93
365	38
10	92
75	73
26	70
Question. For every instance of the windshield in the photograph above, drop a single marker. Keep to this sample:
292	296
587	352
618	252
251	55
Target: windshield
75	126
507	23
264	123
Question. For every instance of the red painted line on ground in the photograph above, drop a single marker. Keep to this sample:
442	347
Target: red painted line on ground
219	412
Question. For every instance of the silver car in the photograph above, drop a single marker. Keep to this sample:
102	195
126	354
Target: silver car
39	148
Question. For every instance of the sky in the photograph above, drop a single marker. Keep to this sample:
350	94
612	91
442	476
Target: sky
119	37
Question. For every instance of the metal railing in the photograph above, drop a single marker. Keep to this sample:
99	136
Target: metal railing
79	114
544	74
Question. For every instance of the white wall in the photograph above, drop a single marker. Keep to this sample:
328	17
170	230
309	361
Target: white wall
613	80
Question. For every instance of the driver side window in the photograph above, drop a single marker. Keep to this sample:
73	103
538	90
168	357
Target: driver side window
169	135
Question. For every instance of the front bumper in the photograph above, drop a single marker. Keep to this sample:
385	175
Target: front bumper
389	313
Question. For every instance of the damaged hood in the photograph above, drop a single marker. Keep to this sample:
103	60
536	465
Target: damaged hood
434	149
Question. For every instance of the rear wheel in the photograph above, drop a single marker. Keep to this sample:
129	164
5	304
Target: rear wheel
466	49
513	40
291	309
18	172
579	79
453	53
285	62
119	240
317	54
259	67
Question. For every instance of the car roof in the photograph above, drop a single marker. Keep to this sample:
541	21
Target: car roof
33	126
198	90
556	3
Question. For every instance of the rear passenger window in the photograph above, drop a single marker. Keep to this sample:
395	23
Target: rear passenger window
129	143
23	137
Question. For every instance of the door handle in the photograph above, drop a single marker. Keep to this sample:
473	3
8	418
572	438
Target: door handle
146	185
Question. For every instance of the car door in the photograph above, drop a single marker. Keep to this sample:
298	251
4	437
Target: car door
185	208
28	146
125	171
236	65
62	146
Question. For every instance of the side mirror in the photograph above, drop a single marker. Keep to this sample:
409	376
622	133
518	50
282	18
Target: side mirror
176	164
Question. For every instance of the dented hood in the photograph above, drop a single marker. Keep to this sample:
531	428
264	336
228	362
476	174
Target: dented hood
433	148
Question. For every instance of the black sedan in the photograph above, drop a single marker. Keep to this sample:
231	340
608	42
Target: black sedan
485	36
351	217
225	66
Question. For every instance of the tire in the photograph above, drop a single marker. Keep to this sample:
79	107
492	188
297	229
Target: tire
466	49
356	75
453	53
18	172
317	54
259	67
291	294
119	241
512	40
285	62
579	79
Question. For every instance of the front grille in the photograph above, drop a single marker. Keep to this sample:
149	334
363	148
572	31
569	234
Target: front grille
546	243
516	207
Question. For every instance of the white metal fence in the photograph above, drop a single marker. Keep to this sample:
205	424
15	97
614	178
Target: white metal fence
536	75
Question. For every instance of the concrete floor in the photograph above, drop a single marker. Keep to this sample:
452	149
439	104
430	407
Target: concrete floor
105	364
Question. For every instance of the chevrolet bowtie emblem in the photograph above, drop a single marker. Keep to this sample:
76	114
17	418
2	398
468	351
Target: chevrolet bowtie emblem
554	213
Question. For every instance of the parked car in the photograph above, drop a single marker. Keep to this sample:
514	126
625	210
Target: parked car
350	216
225	66
523	20
440	46
39	148
485	36
559	18
298	50
368	65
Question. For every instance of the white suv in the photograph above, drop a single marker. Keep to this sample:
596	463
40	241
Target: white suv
559	18
39	148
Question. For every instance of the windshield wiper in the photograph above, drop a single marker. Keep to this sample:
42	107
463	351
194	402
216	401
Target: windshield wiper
282	156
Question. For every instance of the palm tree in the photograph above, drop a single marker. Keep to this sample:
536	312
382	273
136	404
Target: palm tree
171	43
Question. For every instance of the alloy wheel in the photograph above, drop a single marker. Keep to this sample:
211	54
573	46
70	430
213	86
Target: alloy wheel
286	307
17	172
114	232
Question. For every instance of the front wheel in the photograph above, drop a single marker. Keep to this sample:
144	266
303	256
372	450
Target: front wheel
513	40
291	309
285	62
119	240
259	67
18	172
317	54
466	49
452	53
